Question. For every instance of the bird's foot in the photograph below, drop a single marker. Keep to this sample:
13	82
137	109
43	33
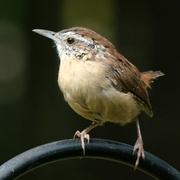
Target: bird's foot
83	135
139	146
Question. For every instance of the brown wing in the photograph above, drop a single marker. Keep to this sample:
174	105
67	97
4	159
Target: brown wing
125	77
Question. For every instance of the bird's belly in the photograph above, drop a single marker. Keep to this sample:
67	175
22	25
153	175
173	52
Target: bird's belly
105	106
94	98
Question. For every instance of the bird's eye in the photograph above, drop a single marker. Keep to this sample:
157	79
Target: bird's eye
70	40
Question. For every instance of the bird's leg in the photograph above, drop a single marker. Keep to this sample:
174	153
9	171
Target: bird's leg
84	134
138	145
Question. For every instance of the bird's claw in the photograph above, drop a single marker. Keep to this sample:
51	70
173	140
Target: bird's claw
139	146
83	135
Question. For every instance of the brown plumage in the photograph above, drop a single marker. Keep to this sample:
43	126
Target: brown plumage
99	83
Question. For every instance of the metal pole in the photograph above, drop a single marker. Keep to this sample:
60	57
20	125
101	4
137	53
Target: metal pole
97	148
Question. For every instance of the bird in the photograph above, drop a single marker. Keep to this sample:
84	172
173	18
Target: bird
99	83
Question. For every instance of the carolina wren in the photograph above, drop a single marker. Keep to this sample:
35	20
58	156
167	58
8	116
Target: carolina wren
99	83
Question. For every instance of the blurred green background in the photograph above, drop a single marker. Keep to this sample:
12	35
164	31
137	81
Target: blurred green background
32	109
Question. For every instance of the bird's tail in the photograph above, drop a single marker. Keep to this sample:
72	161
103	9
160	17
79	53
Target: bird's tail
149	76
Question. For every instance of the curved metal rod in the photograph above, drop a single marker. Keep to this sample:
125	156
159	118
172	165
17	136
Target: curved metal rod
97	148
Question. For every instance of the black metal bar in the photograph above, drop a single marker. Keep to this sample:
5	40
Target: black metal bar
97	148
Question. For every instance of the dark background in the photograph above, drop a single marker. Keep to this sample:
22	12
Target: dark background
32	109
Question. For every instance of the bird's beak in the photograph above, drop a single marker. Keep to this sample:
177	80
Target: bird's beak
46	33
